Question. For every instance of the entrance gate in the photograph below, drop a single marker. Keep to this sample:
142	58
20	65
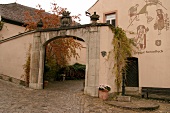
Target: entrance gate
97	38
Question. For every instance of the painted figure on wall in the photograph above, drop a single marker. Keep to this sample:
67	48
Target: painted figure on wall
162	21
144	10
141	37
154	2
159	24
133	13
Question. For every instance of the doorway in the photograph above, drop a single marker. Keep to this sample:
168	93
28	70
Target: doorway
132	74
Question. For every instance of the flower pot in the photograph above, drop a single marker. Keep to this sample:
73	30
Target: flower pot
45	83
103	94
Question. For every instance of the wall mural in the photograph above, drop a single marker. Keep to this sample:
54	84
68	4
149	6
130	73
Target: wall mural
134	15
141	37
161	21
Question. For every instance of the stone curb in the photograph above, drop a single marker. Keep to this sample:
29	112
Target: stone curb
134	105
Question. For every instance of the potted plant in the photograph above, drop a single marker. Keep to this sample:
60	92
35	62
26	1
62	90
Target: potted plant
45	83
103	91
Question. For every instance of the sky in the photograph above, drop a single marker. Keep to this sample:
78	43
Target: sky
74	6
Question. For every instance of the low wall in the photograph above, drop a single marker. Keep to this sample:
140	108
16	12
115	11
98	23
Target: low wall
13	80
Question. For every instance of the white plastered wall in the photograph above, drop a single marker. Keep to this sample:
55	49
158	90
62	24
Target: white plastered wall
13	56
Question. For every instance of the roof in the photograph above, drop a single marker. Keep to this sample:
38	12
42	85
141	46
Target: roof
14	12
93	5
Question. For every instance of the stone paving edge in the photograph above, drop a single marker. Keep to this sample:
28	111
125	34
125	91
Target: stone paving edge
133	106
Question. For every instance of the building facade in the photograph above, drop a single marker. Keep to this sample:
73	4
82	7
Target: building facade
147	23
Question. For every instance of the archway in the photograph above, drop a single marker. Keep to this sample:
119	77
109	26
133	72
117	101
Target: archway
72	65
97	38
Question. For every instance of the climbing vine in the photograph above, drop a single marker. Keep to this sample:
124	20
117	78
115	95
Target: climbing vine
26	67
1	25
122	49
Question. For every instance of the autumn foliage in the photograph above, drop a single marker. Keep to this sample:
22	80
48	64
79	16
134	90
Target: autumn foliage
62	50
49	19
59	51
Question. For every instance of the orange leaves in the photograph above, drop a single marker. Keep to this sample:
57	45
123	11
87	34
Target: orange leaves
50	20
56	9
76	17
63	50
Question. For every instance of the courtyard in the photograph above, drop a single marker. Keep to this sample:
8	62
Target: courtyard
59	97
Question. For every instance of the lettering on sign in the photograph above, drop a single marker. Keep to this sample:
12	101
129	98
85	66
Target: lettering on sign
148	51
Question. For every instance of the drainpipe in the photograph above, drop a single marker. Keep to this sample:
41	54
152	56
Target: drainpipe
123	83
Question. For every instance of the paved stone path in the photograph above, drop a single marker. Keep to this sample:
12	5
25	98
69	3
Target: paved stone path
58	97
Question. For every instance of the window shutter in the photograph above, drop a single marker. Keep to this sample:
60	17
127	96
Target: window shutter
114	22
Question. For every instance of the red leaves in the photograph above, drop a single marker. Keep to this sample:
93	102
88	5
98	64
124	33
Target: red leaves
62	50
50	20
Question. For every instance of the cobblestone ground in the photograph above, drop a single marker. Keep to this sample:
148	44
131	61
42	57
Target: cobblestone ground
58	97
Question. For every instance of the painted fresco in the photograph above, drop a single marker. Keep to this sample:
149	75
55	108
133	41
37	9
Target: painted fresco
144	10
140	39
160	21
133	14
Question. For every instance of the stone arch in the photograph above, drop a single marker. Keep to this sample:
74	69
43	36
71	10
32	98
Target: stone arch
67	36
50	40
97	39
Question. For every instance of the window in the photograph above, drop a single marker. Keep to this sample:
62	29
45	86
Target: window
111	19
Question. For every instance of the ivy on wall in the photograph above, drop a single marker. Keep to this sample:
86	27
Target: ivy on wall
26	67
1	25
122	49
